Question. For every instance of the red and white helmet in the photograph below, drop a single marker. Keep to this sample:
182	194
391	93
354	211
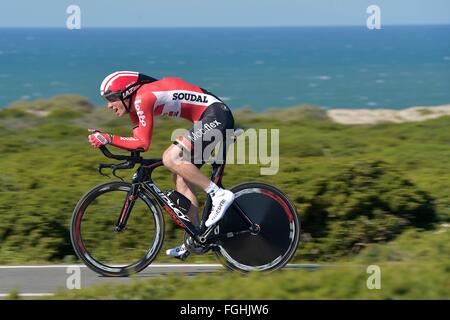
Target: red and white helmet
121	84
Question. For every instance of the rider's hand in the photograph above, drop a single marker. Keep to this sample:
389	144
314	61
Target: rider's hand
98	138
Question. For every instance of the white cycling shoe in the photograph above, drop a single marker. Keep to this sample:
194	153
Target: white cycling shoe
180	252
220	203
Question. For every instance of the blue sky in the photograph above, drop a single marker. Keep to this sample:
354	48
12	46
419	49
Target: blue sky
219	13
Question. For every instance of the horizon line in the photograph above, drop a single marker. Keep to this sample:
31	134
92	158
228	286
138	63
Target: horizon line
228	27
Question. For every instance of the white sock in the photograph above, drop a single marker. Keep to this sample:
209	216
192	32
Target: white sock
212	189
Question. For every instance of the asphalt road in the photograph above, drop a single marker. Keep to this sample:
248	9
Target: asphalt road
43	280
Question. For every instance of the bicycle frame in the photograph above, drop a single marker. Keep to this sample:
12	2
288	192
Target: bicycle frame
142	182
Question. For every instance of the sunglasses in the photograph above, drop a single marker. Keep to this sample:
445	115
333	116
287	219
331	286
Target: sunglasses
112	96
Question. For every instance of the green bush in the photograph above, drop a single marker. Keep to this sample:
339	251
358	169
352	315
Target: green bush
12	113
65	113
367	201
302	112
42	107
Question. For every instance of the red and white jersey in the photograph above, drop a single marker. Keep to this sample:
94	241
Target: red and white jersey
172	97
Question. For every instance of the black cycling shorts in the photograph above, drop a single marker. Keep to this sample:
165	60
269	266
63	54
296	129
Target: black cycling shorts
199	141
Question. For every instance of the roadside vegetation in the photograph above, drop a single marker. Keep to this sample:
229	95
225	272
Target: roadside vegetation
411	267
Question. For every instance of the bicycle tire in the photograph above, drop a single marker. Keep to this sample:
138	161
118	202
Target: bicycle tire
84	254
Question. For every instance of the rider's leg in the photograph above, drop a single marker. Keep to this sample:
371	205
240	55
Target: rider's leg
188	190
175	160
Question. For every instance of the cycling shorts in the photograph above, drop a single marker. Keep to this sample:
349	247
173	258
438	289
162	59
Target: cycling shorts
199	142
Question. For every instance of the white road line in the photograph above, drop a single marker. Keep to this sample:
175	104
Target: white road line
43	266
84	266
161	265
302	265
186	265
4	295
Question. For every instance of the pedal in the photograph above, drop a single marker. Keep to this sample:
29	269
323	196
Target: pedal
184	256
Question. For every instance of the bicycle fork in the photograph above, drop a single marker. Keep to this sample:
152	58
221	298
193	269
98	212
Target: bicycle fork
127	207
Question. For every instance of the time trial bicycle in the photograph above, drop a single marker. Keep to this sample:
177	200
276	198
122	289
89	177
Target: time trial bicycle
117	228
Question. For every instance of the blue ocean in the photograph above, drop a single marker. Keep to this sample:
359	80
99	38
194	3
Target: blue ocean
258	68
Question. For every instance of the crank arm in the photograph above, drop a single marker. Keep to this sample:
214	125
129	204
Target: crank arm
227	235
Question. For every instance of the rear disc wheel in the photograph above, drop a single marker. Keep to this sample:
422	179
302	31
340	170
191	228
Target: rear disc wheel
274	244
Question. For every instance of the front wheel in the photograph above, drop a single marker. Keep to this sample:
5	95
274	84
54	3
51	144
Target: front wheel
274	245
102	248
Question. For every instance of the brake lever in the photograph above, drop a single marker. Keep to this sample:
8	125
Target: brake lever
124	165
102	166
114	173
114	168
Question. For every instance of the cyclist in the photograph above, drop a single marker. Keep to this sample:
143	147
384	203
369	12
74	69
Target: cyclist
144	97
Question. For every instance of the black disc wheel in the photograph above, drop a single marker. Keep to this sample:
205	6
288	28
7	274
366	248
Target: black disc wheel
274	244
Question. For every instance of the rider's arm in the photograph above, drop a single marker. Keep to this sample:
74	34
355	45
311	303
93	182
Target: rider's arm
142	133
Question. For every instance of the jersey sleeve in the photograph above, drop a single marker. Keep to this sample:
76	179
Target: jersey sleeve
142	117
134	119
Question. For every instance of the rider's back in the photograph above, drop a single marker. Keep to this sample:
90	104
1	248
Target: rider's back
176	98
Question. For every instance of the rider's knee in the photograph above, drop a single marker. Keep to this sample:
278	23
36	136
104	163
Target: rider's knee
172	157
168	158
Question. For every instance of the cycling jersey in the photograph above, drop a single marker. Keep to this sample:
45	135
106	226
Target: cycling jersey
172	97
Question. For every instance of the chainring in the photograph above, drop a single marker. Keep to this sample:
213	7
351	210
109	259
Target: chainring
193	246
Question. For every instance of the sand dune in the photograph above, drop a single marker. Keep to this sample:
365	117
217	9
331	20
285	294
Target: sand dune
366	116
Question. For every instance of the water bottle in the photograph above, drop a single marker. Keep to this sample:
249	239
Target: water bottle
182	203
